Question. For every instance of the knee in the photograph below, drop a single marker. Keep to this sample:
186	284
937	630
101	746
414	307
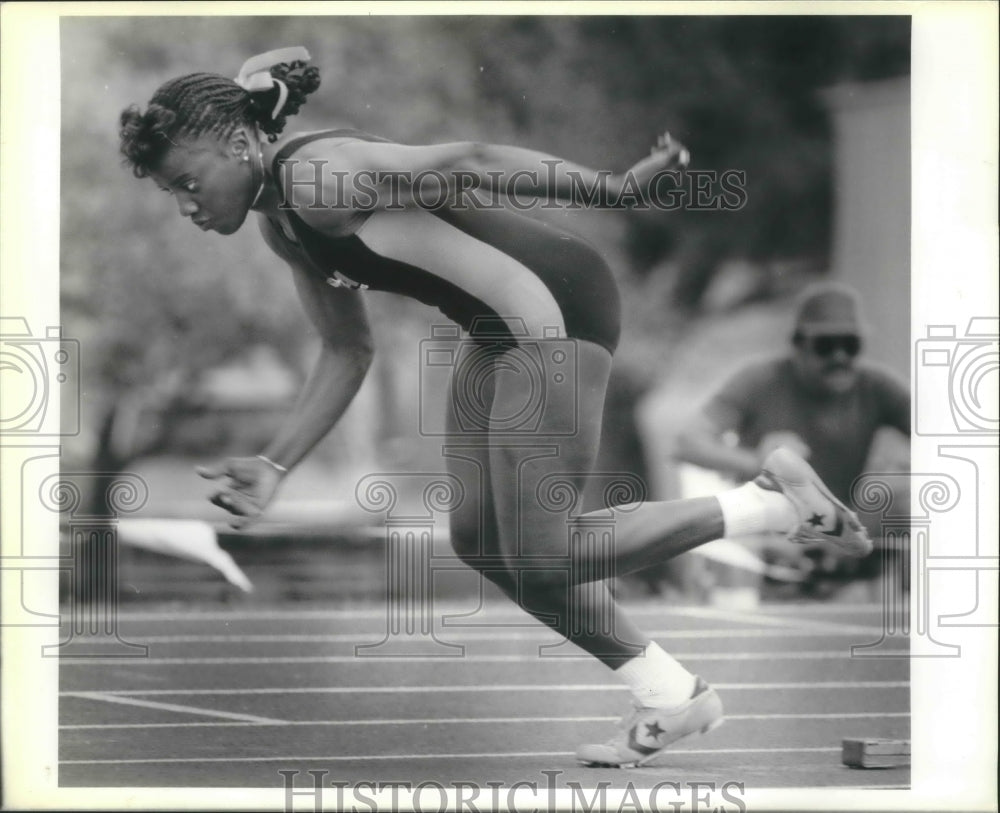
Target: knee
547	581
469	549
467	546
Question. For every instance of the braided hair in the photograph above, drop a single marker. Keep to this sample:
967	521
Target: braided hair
209	104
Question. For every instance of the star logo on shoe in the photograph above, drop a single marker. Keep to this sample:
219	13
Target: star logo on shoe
654	731
816	520
638	747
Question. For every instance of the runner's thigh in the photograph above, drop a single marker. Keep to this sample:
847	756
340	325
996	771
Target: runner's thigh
519	464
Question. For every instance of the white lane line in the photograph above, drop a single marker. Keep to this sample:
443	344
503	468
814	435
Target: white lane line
528	687
386	757
152	704
844	654
454	636
822	608
448	609
740	616
476	720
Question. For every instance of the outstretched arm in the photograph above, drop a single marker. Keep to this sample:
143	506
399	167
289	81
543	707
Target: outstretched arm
379	175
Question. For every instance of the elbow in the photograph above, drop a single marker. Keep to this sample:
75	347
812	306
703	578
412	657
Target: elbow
473	158
686	440
355	357
363	348
683	448
361	357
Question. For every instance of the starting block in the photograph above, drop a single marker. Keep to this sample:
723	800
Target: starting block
873	753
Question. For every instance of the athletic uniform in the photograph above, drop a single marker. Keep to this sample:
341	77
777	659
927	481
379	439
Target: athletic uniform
496	273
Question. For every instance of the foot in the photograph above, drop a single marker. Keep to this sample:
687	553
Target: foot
648	731
822	517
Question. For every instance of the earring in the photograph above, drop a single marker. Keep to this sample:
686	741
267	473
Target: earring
246	158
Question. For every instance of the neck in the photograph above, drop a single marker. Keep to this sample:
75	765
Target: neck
258	174
266	197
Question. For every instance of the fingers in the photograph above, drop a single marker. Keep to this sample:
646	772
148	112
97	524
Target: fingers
245	471
666	143
242	507
213	472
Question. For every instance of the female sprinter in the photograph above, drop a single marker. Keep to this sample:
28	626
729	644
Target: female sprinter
342	209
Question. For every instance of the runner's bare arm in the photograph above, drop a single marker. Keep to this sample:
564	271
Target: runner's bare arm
345	354
378	175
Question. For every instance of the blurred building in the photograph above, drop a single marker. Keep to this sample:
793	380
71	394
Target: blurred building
871	238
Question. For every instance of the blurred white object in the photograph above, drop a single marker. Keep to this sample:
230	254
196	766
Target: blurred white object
185	538
733	554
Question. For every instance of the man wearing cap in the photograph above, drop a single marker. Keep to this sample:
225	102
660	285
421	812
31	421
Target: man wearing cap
819	399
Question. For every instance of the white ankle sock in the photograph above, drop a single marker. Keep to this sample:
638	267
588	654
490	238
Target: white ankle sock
751	509
656	679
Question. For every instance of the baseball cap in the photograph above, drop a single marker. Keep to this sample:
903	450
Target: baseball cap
829	308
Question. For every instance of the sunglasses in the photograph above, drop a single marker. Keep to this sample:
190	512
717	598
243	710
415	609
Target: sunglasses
826	346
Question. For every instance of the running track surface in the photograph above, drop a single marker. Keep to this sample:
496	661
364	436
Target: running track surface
229	697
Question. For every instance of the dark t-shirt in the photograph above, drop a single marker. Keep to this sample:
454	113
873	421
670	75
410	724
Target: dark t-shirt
838	429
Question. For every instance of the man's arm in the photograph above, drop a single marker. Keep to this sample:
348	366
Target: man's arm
703	439
701	442
894	397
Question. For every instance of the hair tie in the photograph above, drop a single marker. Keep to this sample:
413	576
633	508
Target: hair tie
255	75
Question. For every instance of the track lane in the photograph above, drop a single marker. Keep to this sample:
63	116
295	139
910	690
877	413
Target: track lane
401	732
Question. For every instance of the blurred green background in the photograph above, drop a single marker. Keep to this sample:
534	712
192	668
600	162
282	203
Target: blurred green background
193	344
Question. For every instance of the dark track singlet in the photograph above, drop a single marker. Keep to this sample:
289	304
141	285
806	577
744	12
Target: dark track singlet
479	267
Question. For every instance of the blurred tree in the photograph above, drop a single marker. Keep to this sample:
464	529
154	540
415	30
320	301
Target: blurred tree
741	91
157	303
155	307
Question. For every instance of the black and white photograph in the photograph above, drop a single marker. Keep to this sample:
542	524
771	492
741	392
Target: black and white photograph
479	406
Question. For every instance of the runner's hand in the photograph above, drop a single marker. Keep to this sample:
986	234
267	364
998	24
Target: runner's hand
788	440
245	487
668	154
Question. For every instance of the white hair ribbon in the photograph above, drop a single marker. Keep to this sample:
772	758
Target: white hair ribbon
255	75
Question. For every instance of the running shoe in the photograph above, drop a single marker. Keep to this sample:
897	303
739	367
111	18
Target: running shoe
647	732
823	518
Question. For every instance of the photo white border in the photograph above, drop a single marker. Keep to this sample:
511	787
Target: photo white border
954	267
